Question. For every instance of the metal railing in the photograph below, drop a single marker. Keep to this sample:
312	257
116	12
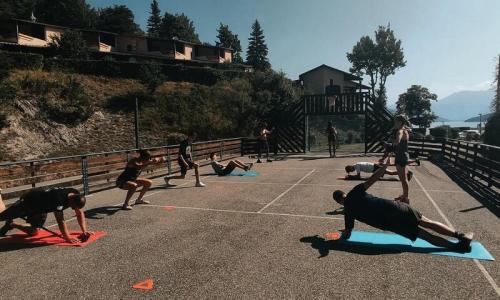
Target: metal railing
97	171
481	161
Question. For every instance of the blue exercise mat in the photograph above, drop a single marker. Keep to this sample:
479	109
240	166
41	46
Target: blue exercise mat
242	173
397	242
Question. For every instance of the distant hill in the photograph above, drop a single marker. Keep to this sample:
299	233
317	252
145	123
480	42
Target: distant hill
462	105
439	119
483	118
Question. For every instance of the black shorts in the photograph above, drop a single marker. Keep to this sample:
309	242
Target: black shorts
227	170
20	210
331	139
402	159
406	223
184	169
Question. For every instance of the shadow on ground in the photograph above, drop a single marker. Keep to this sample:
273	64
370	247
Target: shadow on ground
364	248
488	197
102	212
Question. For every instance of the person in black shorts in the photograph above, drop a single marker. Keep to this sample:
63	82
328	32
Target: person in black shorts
34	205
263	144
129	179
223	170
395	216
186	162
331	132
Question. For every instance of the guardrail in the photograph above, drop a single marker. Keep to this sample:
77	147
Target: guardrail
97	171
479	160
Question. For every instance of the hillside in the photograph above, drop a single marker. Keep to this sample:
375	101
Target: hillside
32	133
483	118
462	105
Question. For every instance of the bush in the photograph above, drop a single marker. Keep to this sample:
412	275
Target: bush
3	120
71	106
444	131
175	138
152	76
70	45
492	130
18	60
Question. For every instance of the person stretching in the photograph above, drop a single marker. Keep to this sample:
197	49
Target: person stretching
223	170
129	179
395	216
186	162
368	167
34	205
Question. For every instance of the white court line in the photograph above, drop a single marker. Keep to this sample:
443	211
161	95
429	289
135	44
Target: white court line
289	189
242	212
478	263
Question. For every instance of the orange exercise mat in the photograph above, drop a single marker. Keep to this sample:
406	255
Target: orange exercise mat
44	238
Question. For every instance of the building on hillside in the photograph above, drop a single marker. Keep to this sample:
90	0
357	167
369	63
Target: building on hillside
38	35
330	81
172	49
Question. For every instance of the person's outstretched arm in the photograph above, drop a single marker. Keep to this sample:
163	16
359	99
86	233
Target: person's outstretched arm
80	216
376	176
63	229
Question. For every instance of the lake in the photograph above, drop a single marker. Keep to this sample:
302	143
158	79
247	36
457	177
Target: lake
472	125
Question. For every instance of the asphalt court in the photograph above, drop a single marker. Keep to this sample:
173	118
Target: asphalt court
256	237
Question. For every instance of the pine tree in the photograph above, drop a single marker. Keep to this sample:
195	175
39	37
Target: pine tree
257	48
154	21
178	26
229	40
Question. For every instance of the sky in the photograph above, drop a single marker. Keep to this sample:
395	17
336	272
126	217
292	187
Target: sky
449	45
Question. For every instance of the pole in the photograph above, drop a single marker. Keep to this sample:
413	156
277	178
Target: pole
136	123
480	124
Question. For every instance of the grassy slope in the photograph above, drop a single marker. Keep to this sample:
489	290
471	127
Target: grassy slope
32	135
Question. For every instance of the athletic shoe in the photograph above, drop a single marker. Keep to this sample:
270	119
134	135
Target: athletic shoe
167	182
142	202
269	160
464	240
409	175
127	207
200	184
417	161
258	161
6	227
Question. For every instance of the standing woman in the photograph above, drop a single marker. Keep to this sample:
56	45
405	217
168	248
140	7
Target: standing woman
129	179
401	154
262	140
332	138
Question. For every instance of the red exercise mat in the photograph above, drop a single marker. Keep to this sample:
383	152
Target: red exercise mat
44	238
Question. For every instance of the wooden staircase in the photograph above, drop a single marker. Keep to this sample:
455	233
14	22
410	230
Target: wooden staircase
378	126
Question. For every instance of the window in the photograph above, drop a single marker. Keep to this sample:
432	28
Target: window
331	81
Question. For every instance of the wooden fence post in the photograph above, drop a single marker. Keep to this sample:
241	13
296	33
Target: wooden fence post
474	161
221	149
32	167
85	175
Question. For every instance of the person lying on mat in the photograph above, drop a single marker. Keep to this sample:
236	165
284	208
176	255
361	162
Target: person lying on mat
34	205
368	167
223	170
395	216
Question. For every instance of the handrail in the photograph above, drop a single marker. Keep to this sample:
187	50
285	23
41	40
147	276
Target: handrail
97	170
6	164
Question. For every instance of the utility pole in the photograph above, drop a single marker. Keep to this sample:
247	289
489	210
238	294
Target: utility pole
497	104
136	123
480	124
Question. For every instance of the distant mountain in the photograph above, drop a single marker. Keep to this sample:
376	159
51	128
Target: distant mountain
439	119
484	118
462	105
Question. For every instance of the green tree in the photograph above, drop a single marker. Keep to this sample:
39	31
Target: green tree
70	45
416	103
179	26
491	130
227	39
71	13
118	19
495	104
16	9
378	60
257	48
154	20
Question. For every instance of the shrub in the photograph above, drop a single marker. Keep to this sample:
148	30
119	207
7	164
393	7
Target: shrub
152	76
3	120
70	45
19	60
70	106
444	131
175	138
492	130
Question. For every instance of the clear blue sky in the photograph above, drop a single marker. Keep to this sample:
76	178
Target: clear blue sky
449	45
